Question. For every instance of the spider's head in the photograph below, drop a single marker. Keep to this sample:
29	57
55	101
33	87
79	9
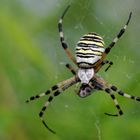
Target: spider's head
85	75
85	90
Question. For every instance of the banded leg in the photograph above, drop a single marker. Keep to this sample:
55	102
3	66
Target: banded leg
45	107
53	88
100	84
111	45
115	102
61	34
114	88
67	84
107	62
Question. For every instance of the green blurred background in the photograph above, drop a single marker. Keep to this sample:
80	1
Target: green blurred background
32	60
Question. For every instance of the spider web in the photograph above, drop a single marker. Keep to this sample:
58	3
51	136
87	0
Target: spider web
107	23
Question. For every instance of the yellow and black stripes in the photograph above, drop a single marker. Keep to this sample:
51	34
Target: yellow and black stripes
62	40
89	50
91	40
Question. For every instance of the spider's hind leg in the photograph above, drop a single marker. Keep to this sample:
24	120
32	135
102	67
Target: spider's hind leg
120	112
45	107
66	84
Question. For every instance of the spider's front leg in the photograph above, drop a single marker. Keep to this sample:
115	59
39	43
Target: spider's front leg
121	32
112	44
62	40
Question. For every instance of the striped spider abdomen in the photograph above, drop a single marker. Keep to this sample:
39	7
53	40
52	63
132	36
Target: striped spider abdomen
89	50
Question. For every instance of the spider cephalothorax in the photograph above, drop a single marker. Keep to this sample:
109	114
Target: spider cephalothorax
90	57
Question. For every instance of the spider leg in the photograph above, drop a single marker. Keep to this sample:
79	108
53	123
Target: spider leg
107	62
67	84
111	45
71	69
62	40
100	84
114	88
107	90
53	88
56	93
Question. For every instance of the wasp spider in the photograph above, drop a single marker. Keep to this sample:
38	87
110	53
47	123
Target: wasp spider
90	57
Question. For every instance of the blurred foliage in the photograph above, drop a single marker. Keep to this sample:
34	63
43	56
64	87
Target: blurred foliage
32	60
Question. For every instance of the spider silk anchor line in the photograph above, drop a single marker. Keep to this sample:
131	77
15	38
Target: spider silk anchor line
90	57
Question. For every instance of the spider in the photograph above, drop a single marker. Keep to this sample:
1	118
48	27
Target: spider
90	57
